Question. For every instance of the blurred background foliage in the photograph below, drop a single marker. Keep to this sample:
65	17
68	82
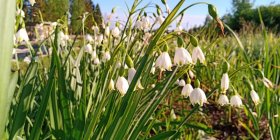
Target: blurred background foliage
51	10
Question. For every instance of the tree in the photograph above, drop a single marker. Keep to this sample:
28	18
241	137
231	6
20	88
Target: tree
77	10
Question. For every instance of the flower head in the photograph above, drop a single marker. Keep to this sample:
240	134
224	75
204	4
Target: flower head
22	35
182	56
116	32
235	101
122	85
164	62
186	91
198	96
225	82
197	54
255	97
223	100
88	48
106	56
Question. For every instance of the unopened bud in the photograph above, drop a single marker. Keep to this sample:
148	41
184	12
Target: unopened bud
212	11
193	41
129	61
226	67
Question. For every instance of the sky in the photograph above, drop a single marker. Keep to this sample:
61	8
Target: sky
193	17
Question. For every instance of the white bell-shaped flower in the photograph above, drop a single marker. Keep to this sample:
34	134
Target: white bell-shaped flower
181	83
27	59
88	48
95	29
32	2
182	56
107	31
145	22
197	54
106	56
223	100
116	32
20	13
93	54
112	85
235	101
255	97
164	62
153	70
89	38
96	61
225	83
122	85
22	35
186	91
131	73
99	39
159	19
198	96
138	24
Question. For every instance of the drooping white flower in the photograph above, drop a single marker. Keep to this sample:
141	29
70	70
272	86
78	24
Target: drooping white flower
191	74
146	38
116	32
267	83
223	100
145	22
88	48
89	38
107	31
182	82
255	97
95	29
93	54
106	56
164	62
224	82
197	54
186	91
99	39
96	61
20	13
131	73
159	19
32	2
182	56
122	85
198	96
153	70
27	59
235	101
112	85
22	35
138	24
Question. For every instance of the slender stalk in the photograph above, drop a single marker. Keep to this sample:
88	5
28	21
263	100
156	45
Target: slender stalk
7	22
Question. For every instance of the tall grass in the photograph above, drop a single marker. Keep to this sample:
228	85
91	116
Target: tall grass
7	82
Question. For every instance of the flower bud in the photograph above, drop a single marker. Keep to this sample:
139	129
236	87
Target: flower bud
255	97
226	67
212	11
129	61
194	41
